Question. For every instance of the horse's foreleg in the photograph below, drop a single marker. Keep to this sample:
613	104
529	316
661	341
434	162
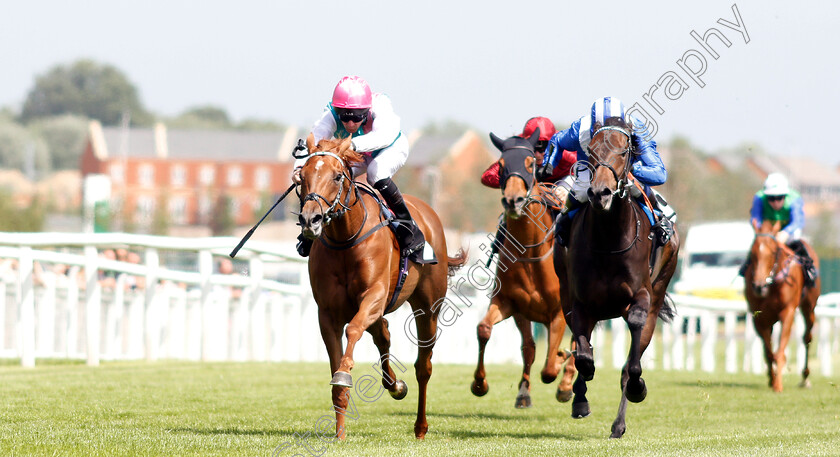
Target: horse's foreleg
580	405
582	327
331	334
637	316
496	313
553	362
781	359
765	332
364	318
382	339
523	398
619	425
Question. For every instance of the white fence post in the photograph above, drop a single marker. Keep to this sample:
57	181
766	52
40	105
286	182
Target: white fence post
26	314
152	323
93	306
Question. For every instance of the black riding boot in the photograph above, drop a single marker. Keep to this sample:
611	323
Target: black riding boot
808	267
409	236
304	245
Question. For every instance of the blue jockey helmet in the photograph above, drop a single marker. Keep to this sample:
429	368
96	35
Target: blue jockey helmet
605	108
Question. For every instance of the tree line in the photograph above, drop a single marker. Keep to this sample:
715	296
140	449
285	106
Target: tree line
48	132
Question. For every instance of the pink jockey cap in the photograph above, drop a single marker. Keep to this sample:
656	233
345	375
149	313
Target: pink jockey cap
545	125
352	92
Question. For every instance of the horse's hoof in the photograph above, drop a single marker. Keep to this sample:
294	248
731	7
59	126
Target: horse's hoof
805	384
580	410
635	391
522	401
420	431
342	379
618	431
401	391
547	378
479	390
563	396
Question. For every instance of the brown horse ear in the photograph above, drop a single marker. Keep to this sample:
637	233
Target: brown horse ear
310	142
345	145
498	142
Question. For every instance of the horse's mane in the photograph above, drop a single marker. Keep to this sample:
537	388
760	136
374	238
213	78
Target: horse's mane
340	147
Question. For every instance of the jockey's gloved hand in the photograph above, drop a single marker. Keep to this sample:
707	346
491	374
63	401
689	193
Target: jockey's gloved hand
544	172
296	176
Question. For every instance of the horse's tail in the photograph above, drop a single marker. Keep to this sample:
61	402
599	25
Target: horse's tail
454	263
668	310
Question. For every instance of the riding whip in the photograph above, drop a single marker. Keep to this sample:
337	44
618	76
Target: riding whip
247	236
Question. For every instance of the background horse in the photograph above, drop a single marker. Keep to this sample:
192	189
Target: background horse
774	288
529	288
353	270
606	268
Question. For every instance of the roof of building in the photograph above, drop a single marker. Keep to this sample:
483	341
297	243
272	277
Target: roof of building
193	144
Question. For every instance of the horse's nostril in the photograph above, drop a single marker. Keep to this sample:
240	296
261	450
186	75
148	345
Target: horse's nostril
316	219
301	219
520	200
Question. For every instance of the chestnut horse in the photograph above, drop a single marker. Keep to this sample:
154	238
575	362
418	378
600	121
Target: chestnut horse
528	287
606	268
353	270
774	288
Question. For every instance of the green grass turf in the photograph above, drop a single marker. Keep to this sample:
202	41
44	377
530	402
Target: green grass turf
248	409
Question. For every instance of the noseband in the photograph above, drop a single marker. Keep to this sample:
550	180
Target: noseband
622	181
331	212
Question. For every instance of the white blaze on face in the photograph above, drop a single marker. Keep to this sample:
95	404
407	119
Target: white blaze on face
319	164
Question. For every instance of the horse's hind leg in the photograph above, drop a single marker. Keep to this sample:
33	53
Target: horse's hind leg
564	389
807	308
523	398
497	312
382	339
426	322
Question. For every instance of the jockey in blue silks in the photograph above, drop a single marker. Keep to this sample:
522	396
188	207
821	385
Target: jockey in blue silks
647	166
777	202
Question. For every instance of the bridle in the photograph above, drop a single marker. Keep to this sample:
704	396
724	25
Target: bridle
529	178
623	183
623	179
781	268
336	208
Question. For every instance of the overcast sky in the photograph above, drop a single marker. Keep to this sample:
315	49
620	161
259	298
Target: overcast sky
491	64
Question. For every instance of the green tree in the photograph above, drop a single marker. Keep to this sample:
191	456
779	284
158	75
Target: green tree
21	150
85	88
65	138
15	219
222	222
160	218
202	117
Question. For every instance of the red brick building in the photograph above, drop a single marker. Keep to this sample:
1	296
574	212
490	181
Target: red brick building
189	171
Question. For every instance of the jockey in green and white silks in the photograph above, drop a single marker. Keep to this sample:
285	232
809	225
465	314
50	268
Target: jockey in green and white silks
777	202
370	120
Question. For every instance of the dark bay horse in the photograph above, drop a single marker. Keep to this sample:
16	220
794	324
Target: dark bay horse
607	269
774	289
529	289
353	270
